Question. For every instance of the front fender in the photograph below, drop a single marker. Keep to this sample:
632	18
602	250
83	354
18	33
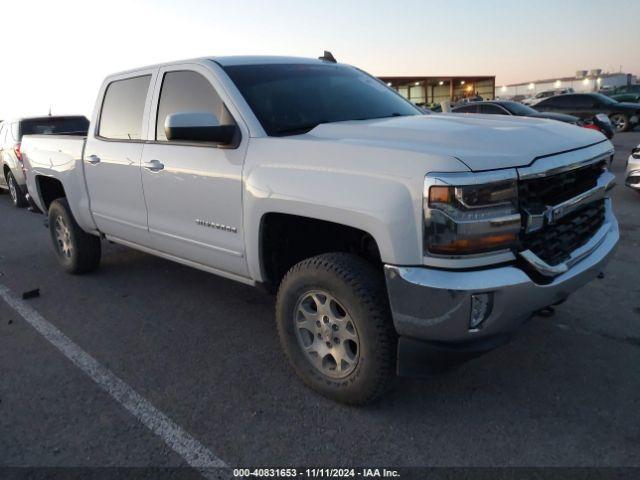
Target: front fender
364	188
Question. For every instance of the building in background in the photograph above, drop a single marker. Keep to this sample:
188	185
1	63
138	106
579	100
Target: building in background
584	81
434	90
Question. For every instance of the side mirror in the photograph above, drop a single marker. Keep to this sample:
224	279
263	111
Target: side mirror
198	127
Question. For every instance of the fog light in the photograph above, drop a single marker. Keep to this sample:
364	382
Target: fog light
481	305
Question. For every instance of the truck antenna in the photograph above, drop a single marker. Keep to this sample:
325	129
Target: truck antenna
328	57
49	110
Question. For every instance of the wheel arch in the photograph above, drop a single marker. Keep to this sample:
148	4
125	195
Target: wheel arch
287	238
49	189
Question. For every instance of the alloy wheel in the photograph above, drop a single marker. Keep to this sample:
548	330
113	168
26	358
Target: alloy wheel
326	334
619	122
63	238
12	190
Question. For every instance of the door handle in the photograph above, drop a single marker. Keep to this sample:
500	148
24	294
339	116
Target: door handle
153	165
93	159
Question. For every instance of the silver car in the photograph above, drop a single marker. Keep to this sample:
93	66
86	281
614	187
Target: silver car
632	175
11	132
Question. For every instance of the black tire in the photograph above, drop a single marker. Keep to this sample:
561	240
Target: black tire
17	197
360	291
77	252
620	122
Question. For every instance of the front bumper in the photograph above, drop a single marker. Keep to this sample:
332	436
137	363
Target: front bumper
435	305
632	175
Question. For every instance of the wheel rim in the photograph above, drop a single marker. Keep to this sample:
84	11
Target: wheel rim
12	190
326	334
619	122
63	238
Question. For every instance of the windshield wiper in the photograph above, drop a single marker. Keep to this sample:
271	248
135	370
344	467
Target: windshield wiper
394	114
298	129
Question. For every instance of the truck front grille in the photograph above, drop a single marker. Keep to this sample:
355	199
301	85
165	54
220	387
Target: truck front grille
555	189
554	243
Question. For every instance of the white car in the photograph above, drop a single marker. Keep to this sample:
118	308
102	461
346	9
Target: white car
531	101
394	240
632	175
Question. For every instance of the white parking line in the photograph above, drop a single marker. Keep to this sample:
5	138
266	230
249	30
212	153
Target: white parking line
195	454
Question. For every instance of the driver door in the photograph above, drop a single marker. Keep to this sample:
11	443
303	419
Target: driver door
193	190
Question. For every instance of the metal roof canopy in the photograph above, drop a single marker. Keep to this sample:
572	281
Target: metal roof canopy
434	80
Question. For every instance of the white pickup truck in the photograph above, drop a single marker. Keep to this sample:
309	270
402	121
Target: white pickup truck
396	241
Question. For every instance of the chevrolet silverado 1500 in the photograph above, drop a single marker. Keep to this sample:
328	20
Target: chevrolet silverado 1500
393	239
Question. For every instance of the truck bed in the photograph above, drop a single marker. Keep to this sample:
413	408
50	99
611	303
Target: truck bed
57	157
51	150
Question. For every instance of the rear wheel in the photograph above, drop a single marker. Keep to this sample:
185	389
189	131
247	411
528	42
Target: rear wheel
17	197
620	122
76	250
335	327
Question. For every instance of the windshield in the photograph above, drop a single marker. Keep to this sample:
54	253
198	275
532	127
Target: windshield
290	99
518	108
54	125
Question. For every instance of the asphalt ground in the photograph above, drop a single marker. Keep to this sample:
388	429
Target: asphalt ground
203	352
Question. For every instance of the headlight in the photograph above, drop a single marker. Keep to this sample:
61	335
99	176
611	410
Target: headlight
470	213
635	153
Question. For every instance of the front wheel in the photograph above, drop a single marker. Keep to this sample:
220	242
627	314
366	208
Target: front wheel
335	327
620	122
17	197
76	250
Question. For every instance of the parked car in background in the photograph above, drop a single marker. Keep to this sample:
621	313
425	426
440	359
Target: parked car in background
600	122
394	240
632	175
506	107
633	88
546	94
626	97
624	116
11	133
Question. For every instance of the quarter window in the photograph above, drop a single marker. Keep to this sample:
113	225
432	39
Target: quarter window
123	108
187	91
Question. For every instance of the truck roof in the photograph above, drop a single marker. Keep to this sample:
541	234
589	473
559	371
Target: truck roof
227	61
261	60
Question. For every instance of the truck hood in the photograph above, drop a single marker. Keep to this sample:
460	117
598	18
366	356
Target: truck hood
482	142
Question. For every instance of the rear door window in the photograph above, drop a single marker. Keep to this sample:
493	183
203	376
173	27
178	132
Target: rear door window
123	109
492	109
556	101
466	109
578	101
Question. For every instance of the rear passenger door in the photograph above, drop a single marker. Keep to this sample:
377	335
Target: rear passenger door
194	189
112	158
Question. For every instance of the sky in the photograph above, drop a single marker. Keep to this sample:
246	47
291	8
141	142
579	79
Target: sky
55	54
